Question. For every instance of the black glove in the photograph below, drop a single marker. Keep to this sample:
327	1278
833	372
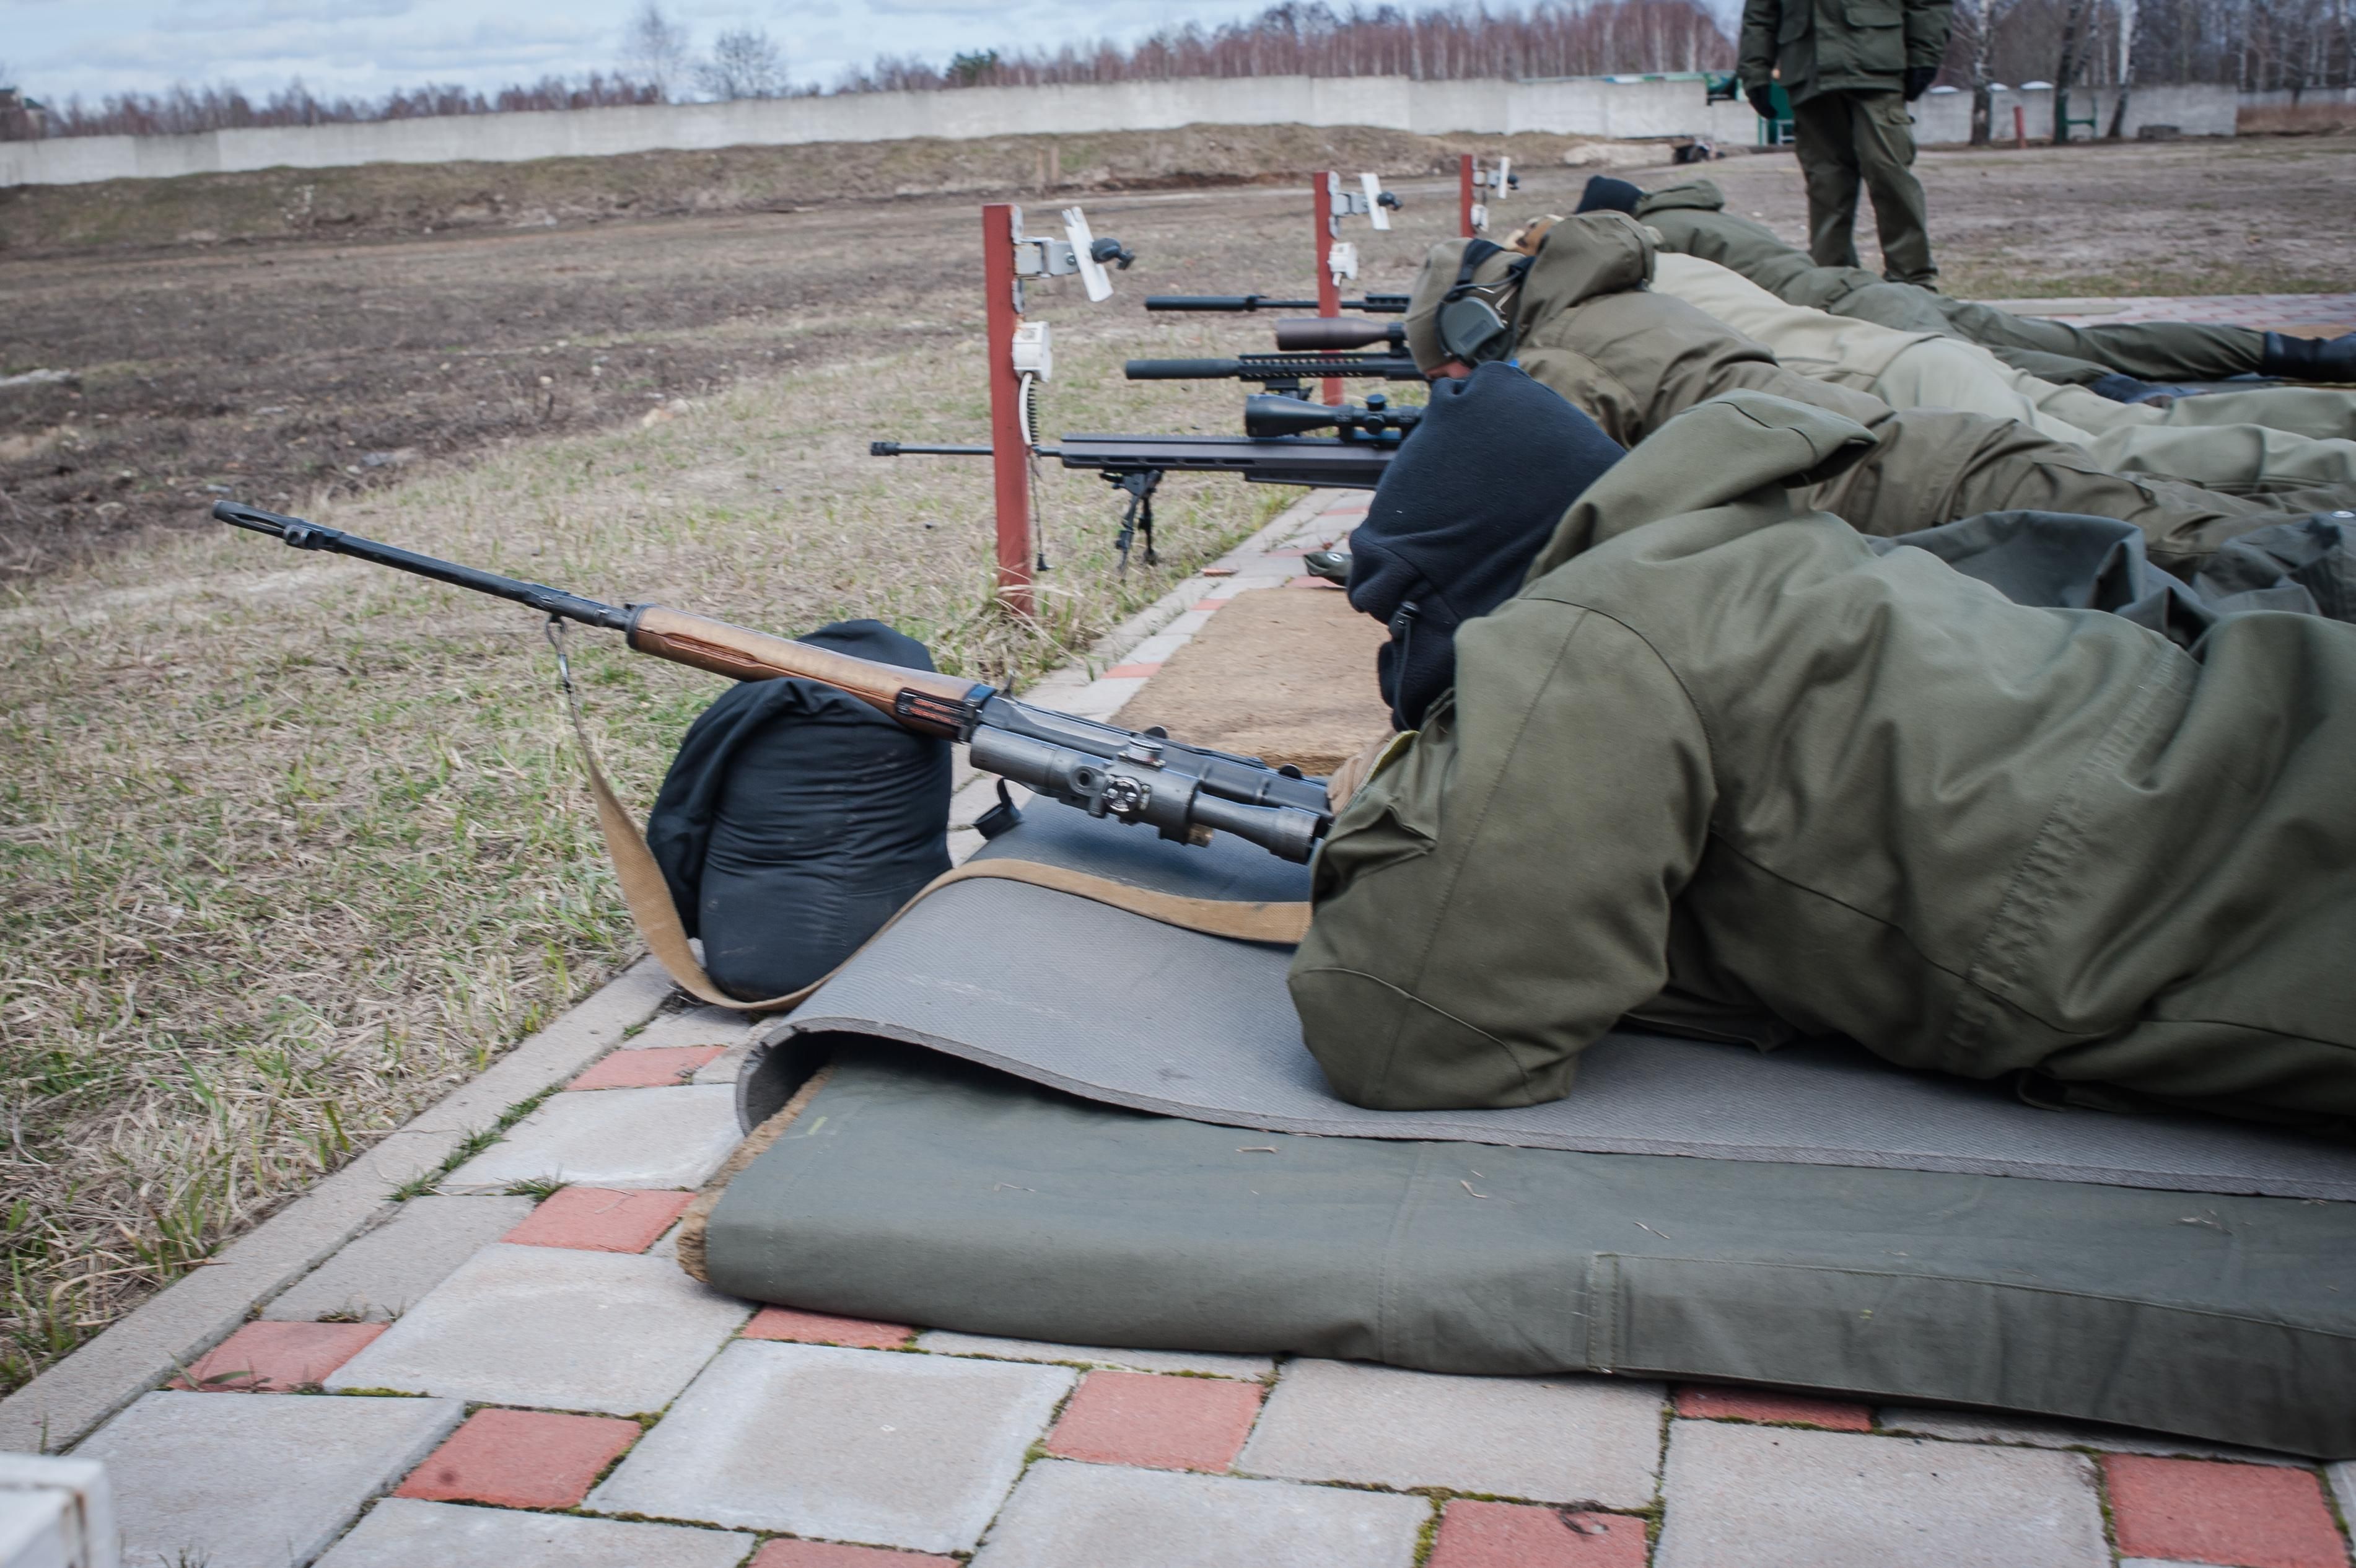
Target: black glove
1762	99
1918	79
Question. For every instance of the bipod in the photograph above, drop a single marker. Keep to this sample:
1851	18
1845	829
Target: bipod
1136	517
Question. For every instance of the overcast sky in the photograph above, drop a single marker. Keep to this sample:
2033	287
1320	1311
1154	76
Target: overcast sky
58	47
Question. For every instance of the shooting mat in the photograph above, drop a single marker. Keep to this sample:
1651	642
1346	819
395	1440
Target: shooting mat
1118	1008
978	1154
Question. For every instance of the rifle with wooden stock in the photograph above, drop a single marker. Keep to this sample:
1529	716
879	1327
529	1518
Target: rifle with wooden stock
1185	793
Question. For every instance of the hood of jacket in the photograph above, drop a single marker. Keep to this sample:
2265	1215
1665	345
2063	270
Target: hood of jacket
1703	194
1733	446
1593	254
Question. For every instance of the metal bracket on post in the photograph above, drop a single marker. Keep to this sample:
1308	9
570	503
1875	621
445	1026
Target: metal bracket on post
1474	187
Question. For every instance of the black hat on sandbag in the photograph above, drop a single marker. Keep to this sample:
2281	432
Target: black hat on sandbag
1605	194
1461	511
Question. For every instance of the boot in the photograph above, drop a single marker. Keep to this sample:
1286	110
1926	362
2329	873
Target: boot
2309	359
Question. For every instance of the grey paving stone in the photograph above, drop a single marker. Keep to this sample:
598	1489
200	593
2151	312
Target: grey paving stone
856	1445
1780	1497
2342	1477
723	1068
1084	1516
1558	1440
552	1327
696	1026
180	1324
385	1273
619	1137
2043	1432
943	1343
401	1532
256	1480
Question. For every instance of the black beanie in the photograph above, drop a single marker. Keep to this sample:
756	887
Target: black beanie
1604	193
1471	498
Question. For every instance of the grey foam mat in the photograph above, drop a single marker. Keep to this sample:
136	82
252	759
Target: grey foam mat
1120	1009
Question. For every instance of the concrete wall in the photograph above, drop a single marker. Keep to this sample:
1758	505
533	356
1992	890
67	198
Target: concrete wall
1586	106
2198	109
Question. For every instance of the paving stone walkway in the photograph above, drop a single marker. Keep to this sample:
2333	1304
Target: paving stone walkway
511	1372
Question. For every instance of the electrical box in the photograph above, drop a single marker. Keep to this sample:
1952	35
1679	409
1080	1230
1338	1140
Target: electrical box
1034	355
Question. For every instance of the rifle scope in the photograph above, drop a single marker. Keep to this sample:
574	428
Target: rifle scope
1270	415
1275	366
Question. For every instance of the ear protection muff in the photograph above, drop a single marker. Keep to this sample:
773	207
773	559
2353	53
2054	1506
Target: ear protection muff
1470	327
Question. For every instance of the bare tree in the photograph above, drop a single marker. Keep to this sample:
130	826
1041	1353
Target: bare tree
744	64
654	49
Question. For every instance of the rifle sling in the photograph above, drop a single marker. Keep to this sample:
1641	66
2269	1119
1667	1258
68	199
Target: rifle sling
657	917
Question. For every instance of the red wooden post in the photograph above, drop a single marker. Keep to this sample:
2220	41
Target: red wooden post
1329	293
1464	194
1009	442
2020	129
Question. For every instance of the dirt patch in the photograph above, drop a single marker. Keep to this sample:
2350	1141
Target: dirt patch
1284	675
2250	215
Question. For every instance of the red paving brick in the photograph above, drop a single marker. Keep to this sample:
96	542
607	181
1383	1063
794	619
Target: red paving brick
270	1358
2199	1511
1165	1424
1130	672
521	1459
1514	1535
657	1066
818	1328
825	1554
1707	1401
600	1219
1209	603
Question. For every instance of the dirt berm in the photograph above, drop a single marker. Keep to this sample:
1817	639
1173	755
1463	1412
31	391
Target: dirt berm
385	199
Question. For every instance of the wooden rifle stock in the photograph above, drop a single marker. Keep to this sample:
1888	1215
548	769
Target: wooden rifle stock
919	698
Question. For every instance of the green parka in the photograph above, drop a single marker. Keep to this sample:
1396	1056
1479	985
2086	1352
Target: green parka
1691	218
1588	327
1839	46
1720	755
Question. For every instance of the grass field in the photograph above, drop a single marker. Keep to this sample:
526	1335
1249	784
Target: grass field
288	845
291	844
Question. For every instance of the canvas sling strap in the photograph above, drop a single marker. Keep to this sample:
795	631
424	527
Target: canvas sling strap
657	917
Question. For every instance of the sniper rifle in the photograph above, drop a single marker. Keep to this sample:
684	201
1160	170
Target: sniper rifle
1185	793
1273	451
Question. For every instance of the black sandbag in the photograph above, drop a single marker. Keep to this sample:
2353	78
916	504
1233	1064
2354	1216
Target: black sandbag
795	820
1458	516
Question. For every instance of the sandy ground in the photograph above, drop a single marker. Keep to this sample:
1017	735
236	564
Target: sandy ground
288	370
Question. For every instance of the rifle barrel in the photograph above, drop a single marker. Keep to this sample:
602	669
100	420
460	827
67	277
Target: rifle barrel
300	535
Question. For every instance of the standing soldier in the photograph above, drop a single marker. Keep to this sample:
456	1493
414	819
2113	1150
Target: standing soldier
1850	67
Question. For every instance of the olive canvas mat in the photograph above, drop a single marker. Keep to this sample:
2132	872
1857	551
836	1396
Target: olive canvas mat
1117	1008
911	1188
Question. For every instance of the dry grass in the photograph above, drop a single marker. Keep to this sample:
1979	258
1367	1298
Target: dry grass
291	844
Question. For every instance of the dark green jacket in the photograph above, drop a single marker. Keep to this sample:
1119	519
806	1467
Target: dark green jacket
1839	46
1719	746
1588	327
